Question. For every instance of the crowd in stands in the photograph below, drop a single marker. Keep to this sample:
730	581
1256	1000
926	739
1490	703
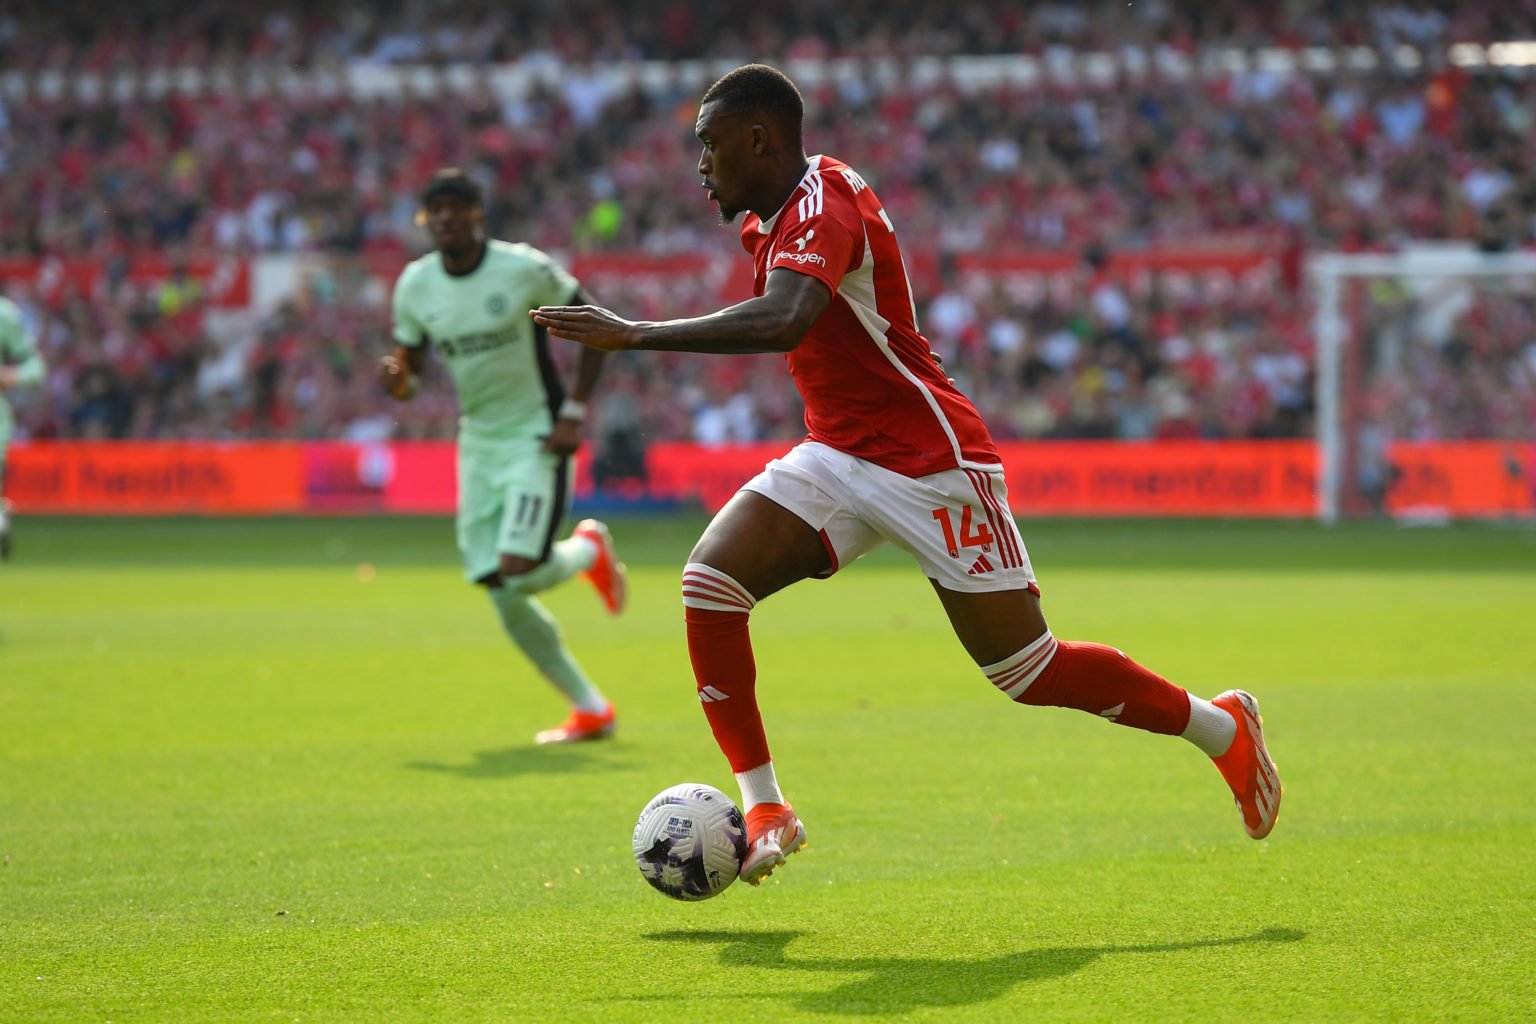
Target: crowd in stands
307	33
1366	158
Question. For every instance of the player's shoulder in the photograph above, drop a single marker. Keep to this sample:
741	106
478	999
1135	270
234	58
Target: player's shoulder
517	254
419	269
830	187
837	175
524	261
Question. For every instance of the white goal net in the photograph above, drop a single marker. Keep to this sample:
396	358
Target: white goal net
1426	384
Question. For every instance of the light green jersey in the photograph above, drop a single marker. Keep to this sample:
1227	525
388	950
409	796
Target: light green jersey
19	352
478	322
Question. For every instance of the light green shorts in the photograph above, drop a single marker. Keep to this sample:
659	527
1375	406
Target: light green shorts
512	499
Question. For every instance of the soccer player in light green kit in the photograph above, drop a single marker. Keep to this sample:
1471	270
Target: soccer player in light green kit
518	429
20	366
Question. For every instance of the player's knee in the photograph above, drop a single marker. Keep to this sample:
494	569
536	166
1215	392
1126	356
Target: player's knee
514	569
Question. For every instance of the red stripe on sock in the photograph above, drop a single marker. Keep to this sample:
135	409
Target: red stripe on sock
707	587
1005	679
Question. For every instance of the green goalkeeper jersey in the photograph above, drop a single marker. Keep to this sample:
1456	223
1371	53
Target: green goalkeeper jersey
478	322
19	352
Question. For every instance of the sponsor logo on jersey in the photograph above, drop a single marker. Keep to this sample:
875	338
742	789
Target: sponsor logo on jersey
800	242
474	344
801	257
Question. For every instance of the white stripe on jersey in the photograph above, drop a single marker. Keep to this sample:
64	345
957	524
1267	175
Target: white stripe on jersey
810	205
912	302
858	290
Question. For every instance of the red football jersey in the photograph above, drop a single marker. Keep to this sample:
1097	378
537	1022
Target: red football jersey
869	382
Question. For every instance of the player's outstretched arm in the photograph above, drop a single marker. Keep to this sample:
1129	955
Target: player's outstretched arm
773	322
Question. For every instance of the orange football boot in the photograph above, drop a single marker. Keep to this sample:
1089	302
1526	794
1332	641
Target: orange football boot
1247	766
578	726
773	833
607	574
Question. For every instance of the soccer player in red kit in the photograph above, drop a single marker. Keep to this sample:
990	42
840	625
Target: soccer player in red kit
895	453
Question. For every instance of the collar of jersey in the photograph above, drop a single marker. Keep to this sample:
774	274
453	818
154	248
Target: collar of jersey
763	227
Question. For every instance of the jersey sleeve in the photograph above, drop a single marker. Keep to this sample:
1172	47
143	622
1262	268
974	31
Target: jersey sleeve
556	285
825	245
17	349
408	328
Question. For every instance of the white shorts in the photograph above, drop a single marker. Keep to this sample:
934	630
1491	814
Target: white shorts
956	524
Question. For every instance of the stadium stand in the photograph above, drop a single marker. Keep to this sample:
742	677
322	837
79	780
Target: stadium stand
194	138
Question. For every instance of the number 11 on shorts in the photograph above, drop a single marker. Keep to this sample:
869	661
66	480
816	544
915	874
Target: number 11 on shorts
969	538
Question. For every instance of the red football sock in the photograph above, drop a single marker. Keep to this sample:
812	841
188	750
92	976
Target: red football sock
720	647
1093	678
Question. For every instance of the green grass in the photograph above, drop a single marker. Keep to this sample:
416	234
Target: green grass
241	782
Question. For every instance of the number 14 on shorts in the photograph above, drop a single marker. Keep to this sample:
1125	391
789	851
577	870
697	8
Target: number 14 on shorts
970	536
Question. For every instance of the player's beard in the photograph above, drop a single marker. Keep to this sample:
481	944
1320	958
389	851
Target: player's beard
728	216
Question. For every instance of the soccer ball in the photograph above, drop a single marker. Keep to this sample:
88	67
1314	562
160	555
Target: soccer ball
690	841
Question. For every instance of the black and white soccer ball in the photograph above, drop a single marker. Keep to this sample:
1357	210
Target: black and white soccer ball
690	841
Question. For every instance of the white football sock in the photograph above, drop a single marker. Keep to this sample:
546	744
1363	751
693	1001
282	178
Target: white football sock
1210	728
759	786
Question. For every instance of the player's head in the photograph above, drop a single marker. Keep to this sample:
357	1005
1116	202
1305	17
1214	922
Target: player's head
453	211
750	123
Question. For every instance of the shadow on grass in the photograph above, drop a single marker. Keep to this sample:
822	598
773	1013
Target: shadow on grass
511	762
881	985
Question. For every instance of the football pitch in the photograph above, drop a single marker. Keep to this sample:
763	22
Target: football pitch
283	771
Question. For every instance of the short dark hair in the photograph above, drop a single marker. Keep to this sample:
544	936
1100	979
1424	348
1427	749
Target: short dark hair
759	89
450	181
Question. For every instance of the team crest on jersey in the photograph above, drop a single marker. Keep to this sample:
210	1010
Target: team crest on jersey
496	305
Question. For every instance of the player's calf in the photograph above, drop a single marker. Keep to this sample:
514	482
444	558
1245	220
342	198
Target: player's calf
1094	678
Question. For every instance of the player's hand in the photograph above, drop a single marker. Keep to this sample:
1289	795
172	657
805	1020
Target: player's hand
396	378
8	375
564	439
593	326
938	361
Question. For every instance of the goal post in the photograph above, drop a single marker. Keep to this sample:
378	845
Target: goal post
1421	355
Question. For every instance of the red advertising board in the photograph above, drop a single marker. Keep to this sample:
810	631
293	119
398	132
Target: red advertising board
1047	478
203	478
1462	478
225	282
1185	478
